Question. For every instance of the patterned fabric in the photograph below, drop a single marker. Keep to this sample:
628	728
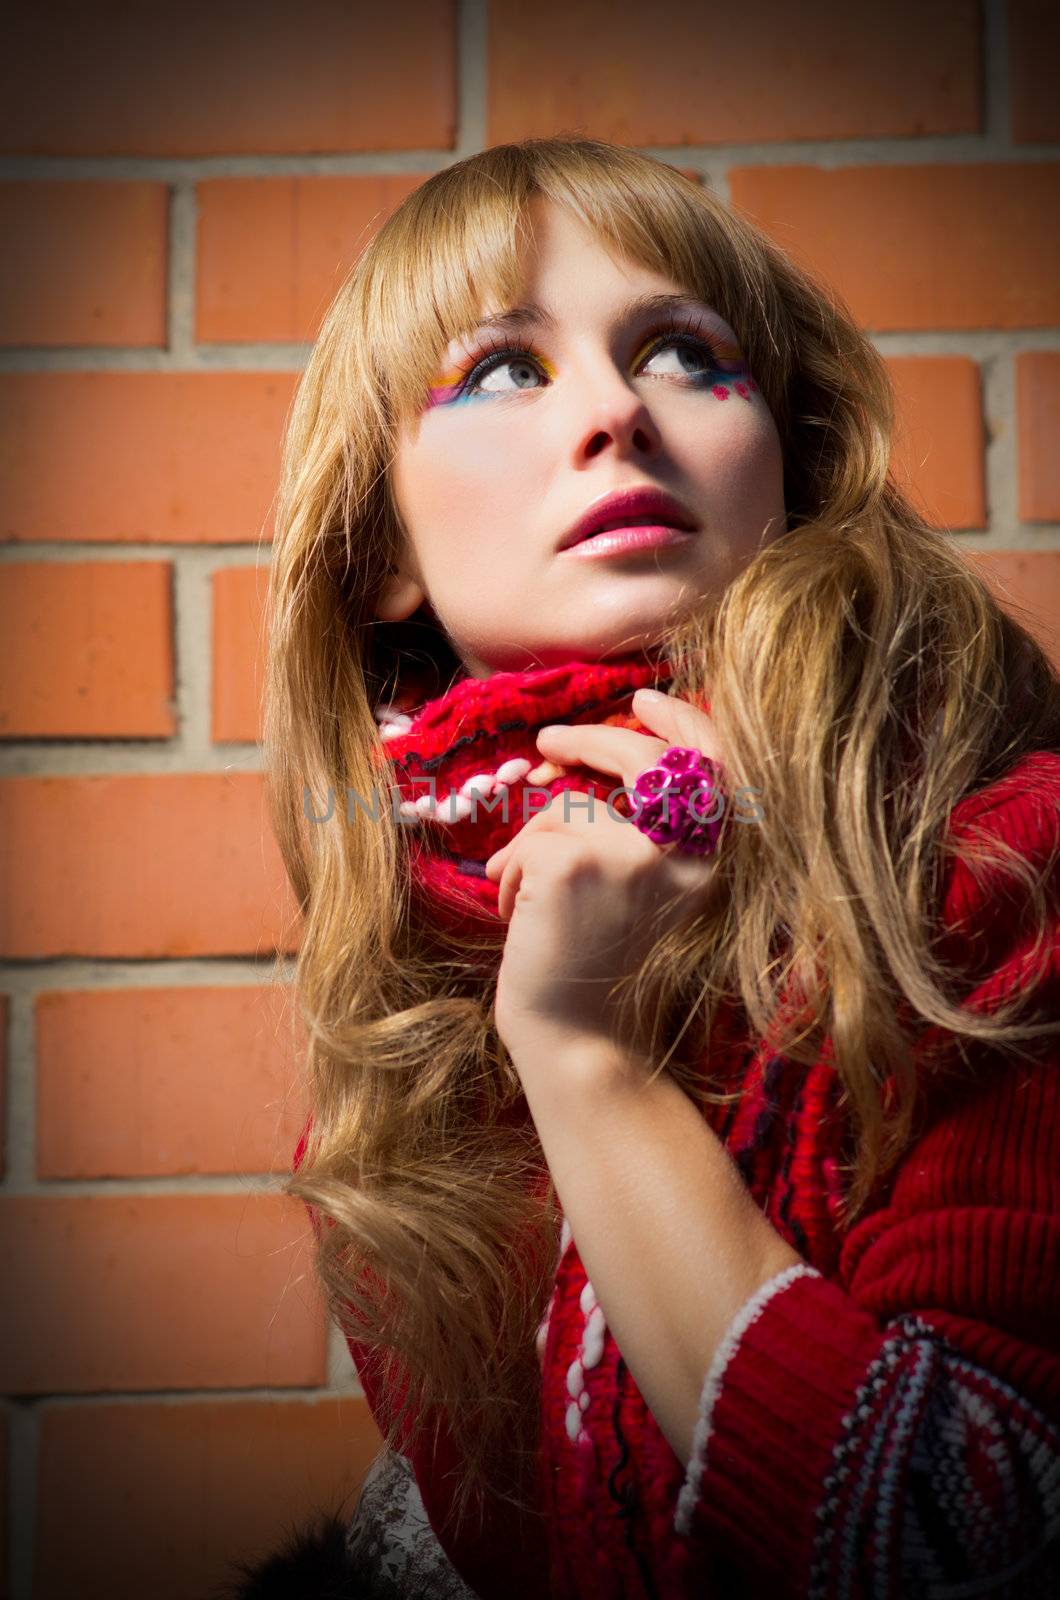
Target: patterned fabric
962	1474
882	1425
392	1548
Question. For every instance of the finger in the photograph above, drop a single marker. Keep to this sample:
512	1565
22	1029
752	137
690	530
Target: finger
544	773
496	863
549	818
623	752
677	721
513	869
561	818
508	887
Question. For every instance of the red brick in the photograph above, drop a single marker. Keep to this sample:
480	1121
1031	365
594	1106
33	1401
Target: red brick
179	1494
273	252
1034	51
229	80
1038	406
141	865
1027	582
187	457
239	638
743	74
86	650
961	246
164	1081
938	447
83	263
136	1291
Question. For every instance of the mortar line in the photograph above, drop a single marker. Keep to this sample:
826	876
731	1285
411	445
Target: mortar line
472	25
891	150
269	358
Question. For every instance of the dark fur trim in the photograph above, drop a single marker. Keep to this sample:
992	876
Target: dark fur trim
311	1565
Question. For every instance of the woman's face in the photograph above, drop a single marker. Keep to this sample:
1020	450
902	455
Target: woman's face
510	452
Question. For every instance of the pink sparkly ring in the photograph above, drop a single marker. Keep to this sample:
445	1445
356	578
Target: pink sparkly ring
679	801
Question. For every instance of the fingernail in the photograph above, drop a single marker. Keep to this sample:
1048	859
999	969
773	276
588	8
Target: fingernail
544	773
649	694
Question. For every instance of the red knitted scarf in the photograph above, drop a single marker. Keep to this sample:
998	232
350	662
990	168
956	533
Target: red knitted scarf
485	729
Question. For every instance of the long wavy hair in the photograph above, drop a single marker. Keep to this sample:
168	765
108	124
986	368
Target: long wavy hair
911	687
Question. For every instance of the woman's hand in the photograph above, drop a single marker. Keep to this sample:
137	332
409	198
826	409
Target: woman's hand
588	894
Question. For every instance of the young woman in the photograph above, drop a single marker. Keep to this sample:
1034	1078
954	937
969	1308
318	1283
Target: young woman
684	1169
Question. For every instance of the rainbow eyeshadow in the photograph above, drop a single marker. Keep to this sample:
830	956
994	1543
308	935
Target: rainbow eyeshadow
728	356
446	387
731	365
744	387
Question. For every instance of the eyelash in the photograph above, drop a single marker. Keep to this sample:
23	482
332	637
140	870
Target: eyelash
490	356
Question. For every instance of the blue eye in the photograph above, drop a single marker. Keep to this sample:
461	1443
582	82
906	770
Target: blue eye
502	353
688	344
715	358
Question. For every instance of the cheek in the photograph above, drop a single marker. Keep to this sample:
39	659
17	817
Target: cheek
456	498
757	451
429	482
474	464
736	457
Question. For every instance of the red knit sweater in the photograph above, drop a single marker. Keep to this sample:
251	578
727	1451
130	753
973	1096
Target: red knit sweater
882	1421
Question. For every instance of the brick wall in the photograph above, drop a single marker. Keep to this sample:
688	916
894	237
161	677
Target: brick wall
182	192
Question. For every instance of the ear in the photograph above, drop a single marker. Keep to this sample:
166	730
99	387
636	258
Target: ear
399	597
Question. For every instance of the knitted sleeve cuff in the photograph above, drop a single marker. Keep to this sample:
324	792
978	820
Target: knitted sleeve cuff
823	1438
749	1312
790	1368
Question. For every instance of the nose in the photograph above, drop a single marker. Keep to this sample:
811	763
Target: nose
611	414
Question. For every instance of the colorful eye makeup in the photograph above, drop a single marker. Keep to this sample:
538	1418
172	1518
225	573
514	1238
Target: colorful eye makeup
455	384
724	372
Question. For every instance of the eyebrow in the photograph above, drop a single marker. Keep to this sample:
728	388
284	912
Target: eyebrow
533	314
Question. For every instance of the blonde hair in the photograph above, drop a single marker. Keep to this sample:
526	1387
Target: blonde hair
913	688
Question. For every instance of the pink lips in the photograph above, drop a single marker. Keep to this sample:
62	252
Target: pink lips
616	541
644	514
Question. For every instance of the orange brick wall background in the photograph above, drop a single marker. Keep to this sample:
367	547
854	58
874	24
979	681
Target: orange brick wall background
183	189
